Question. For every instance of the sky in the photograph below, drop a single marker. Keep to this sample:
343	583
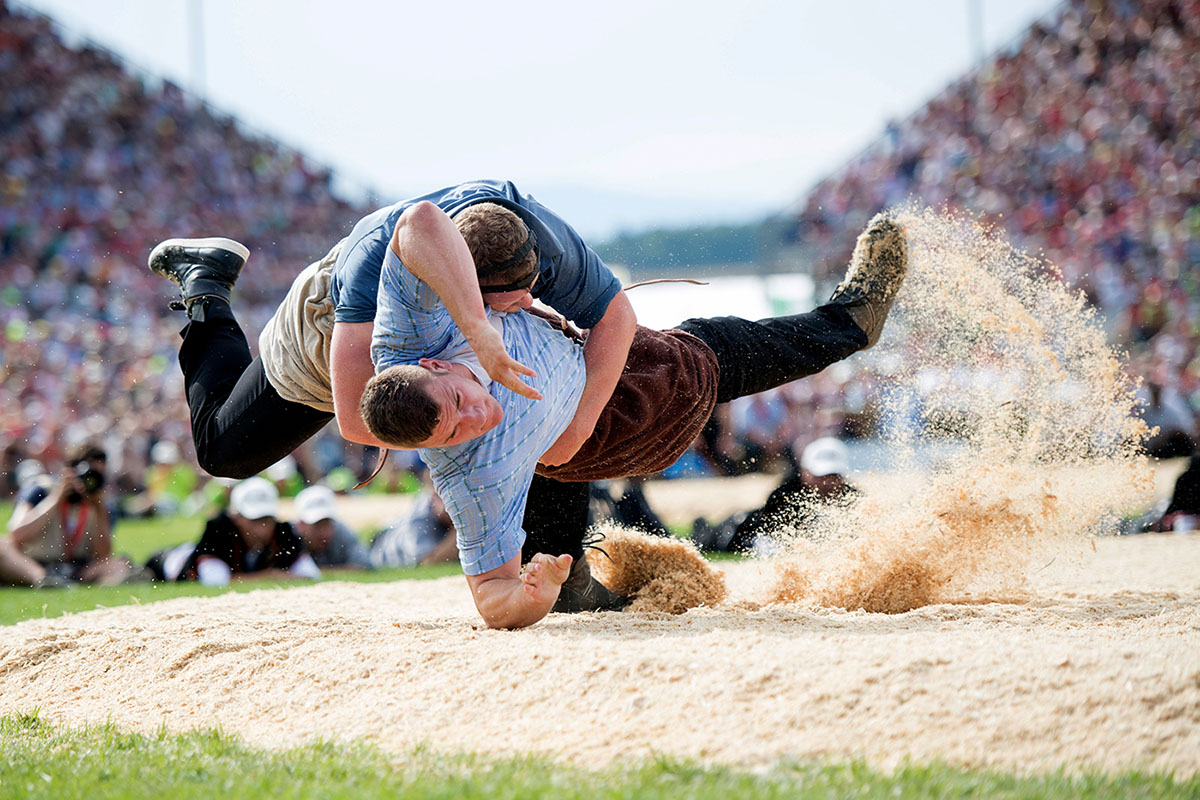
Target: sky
622	116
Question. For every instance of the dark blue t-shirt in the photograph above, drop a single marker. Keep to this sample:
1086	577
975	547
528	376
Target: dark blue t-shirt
573	280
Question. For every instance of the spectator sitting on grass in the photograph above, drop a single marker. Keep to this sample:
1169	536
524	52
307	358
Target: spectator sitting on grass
792	505
65	533
423	536
33	484
248	541
330	542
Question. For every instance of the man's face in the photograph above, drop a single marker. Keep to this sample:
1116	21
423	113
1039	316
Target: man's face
256	533
317	535
466	408
516	300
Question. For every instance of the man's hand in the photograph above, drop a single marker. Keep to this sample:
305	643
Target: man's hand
66	482
509	597
500	366
95	500
567	444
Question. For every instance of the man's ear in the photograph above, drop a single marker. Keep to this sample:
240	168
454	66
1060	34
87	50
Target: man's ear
434	364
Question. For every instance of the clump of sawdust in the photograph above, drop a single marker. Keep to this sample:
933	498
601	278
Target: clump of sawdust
658	574
994	356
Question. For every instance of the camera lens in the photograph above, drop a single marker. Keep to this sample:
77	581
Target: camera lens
91	478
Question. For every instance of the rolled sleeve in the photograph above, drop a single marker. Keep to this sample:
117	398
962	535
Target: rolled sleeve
487	518
410	322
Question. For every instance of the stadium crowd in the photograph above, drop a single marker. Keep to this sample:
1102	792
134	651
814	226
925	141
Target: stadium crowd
97	162
1082	140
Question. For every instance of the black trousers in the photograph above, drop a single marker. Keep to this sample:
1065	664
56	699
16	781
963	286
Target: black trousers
757	356
241	426
754	357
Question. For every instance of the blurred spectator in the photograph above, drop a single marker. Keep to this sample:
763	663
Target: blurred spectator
763	428
1082	142
631	510
61	530
91	155
248	542
425	535
793	505
1183	512
1167	412
329	541
33	484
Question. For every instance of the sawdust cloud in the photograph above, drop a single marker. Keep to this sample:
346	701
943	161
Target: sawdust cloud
991	358
657	574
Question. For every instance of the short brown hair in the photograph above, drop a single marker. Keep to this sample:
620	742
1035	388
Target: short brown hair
493	235
396	408
86	451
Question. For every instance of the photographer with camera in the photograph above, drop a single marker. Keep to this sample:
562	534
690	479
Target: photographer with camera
66	534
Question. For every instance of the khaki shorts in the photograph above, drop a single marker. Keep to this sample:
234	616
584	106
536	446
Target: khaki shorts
294	345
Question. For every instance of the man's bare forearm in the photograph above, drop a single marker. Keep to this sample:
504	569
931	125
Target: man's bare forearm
429	245
604	355
350	368
506	597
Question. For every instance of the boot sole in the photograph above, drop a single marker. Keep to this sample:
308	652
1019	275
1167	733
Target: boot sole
213	242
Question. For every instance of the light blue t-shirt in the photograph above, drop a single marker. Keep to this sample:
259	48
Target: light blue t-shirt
572	280
483	482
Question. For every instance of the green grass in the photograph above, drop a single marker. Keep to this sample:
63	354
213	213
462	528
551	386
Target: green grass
138	539
38	760
17	603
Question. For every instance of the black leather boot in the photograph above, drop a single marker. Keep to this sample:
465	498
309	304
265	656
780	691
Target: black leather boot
876	271
581	592
202	268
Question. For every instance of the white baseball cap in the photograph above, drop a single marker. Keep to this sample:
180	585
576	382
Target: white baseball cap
164	452
315	504
825	456
254	498
29	469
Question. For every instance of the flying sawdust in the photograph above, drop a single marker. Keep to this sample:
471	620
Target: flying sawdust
657	574
994	356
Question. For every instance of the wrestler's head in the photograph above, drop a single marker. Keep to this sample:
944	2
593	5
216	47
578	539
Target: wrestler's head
433	404
505	253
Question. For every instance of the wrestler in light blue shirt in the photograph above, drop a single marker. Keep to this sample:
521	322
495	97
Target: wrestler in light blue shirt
483	482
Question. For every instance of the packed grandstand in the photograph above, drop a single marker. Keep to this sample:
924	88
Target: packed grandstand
1081	140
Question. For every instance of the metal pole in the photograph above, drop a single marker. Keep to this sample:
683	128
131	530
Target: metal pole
975	31
196	44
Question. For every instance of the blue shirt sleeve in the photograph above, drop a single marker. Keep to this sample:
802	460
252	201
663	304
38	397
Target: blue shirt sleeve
411	322
355	280
576	282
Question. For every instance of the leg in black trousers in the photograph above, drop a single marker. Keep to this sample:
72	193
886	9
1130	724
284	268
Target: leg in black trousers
556	518
756	356
240	424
